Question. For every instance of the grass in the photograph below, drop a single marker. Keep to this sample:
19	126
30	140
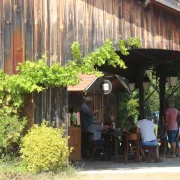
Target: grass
14	170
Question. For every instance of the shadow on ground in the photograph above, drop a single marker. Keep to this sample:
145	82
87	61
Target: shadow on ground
110	165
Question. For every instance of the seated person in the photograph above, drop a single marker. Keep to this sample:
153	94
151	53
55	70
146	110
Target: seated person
110	126
133	127
96	128
148	137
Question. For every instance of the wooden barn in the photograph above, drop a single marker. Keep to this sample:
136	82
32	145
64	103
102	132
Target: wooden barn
32	28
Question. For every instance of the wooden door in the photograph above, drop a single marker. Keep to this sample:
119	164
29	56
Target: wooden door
75	141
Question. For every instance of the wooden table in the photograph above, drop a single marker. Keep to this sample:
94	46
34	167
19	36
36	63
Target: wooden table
117	142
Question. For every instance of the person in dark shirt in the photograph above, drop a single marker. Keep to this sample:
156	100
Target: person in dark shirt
86	114
86	119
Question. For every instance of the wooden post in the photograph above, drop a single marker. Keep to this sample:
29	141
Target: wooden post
141	95
162	85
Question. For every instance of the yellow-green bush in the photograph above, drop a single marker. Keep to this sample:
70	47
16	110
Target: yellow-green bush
44	148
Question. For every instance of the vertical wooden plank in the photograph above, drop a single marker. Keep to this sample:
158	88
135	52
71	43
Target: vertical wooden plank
95	14
65	31
58	31
127	24
28	29
176	22
53	106
28	110
165	29
45	29
44	105
99	17
90	28
38	108
132	18
137	21
48	102
53	31
18	29
148	34
120	17
115	21
1	37
69	29
7	33
156	24
85	39
38	35
108	19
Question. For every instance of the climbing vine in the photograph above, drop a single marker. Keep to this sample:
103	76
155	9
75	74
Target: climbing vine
38	76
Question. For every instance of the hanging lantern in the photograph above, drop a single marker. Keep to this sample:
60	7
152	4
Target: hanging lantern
146	83
172	81
131	86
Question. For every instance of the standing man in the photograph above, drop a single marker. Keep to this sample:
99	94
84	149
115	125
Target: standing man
86	118
171	116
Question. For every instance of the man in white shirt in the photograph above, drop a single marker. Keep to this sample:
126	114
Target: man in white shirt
148	135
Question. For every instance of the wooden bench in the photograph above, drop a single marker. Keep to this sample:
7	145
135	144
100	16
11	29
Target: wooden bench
152	153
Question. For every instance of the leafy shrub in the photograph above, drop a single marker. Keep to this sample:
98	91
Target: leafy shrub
11	129
44	148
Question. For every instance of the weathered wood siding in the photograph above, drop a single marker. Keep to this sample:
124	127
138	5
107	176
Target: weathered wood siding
28	30
31	28
90	22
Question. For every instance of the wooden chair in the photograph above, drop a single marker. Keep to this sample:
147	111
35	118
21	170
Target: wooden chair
92	147
132	145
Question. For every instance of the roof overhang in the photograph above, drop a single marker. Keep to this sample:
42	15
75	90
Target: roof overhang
86	82
121	80
173	5
139	59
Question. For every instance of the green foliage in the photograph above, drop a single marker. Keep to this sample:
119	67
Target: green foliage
37	76
123	109
44	148
132	107
77	55
128	106
11	129
152	103
124	45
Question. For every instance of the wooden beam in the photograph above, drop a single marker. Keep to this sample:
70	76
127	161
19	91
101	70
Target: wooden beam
162	85
141	95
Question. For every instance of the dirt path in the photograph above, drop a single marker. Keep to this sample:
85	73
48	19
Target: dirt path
147	176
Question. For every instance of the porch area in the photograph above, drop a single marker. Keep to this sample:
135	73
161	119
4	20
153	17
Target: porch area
108	167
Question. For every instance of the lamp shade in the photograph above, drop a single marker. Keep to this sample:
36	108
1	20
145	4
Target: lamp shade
146	83
172	81
131	86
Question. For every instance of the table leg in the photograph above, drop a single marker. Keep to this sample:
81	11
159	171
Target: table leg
116	149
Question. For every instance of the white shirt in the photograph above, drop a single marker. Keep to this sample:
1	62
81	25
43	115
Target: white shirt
147	130
96	130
